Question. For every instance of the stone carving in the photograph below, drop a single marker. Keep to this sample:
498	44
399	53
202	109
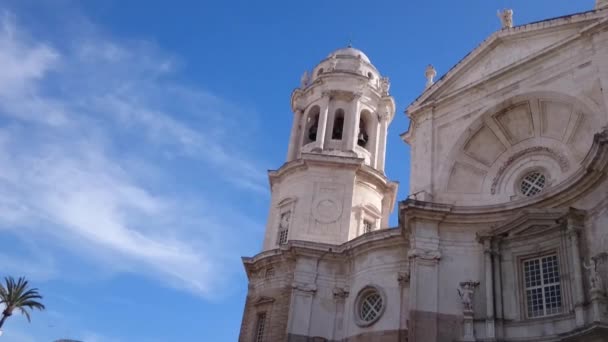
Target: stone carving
595	279
385	85
305	80
383	114
561	159
403	278
506	18
466	292
430	74
341	292
333	62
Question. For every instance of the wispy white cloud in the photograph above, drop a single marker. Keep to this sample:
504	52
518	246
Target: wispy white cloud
82	129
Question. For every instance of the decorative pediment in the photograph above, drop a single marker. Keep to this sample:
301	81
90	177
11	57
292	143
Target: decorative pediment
534	222
507	49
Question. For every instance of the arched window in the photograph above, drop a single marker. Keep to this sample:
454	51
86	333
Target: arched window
320	72
338	125
312	124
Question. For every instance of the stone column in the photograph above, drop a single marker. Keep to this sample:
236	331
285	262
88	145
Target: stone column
322	129
381	148
579	296
352	129
490	328
498	286
296	128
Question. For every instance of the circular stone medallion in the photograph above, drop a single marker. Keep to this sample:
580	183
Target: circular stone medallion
327	210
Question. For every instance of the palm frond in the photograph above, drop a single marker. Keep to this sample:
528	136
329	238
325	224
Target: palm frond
25	313
16	295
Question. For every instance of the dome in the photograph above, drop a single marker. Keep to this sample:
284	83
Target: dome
351	52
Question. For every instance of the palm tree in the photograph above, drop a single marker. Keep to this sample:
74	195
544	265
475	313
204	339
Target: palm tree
17	296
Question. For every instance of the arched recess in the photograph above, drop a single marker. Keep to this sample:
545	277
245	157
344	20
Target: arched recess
338	125
366	133
312	125
540	132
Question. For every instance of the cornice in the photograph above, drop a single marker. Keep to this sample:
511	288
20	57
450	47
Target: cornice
317	159
380	239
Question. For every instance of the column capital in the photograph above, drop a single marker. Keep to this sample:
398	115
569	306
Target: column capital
403	278
341	293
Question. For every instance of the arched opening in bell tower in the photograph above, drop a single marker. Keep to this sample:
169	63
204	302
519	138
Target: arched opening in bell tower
312	125
338	126
365	121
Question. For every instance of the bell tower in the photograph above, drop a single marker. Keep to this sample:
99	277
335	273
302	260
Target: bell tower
333	188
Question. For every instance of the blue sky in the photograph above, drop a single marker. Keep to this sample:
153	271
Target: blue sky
135	138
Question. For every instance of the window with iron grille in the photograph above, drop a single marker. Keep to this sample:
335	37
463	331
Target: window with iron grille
532	184
259	330
283	228
368	226
371	307
542	286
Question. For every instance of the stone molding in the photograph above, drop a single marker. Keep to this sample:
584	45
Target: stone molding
560	158
424	254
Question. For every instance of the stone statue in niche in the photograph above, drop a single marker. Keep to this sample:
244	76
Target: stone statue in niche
384	86
595	279
430	74
333	63
466	292
305	80
506	18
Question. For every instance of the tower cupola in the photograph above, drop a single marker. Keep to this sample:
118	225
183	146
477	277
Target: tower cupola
342	107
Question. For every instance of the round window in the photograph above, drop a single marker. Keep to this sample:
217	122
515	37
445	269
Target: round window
369	306
532	183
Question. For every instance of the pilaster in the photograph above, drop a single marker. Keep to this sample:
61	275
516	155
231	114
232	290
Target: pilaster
579	296
424	294
489	282
300	309
340	294
296	128
498	288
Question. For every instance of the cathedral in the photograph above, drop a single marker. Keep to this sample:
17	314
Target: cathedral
504	236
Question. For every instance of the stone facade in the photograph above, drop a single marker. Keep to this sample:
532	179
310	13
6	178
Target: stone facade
505	234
